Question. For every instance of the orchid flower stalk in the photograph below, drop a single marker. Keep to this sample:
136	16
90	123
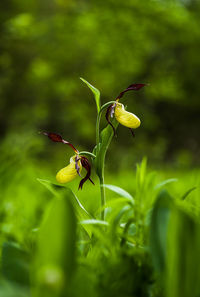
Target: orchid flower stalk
115	114
113	108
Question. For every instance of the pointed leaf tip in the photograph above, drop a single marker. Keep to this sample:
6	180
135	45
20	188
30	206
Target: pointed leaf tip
96	93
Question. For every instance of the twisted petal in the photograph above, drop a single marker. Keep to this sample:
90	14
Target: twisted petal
133	87
126	118
58	138
85	163
69	172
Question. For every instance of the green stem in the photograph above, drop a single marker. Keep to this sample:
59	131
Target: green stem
87	154
106	105
97	129
101	175
103	197
101	178
99	119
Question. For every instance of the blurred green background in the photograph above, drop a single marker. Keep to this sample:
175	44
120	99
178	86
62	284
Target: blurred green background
45	46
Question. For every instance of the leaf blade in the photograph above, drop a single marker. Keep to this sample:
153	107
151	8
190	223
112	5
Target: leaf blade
80	211
119	191
159	228
165	182
96	93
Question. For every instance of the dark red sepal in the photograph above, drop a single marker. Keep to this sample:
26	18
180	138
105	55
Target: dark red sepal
133	87
109	113
58	138
53	136
85	163
132	132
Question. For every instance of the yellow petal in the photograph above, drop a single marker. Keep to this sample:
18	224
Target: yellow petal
69	172
126	118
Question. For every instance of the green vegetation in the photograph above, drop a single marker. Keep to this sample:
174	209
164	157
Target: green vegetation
148	244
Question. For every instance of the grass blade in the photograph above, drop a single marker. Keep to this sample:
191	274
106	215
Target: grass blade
165	182
187	193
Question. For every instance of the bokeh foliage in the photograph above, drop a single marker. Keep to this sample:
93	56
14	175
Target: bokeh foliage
147	245
47	45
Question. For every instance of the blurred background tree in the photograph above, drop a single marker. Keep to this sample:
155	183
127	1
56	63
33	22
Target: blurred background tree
45	46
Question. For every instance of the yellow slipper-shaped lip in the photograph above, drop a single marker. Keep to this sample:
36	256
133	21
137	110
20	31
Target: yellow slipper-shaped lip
126	118
69	172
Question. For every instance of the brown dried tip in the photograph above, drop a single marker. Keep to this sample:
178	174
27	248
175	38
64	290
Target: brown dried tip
133	87
85	163
58	138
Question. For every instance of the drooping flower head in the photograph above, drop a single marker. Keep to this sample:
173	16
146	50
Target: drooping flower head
124	117
75	166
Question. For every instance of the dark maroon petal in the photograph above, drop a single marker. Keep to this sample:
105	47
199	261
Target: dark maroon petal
58	138
109	113
91	181
133	87
85	163
132	132
53	136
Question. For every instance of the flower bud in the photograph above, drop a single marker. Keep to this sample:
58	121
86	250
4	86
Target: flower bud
69	172
126	118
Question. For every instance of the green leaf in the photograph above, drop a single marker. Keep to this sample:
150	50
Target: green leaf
116	221
49	185
15	263
119	191
165	182
94	222
8	289
98	228
159	228
55	258
183	271
141	173
58	190
116	203
130	230
95	92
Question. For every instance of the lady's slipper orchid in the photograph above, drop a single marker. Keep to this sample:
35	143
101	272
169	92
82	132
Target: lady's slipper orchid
69	172
74	168
124	117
